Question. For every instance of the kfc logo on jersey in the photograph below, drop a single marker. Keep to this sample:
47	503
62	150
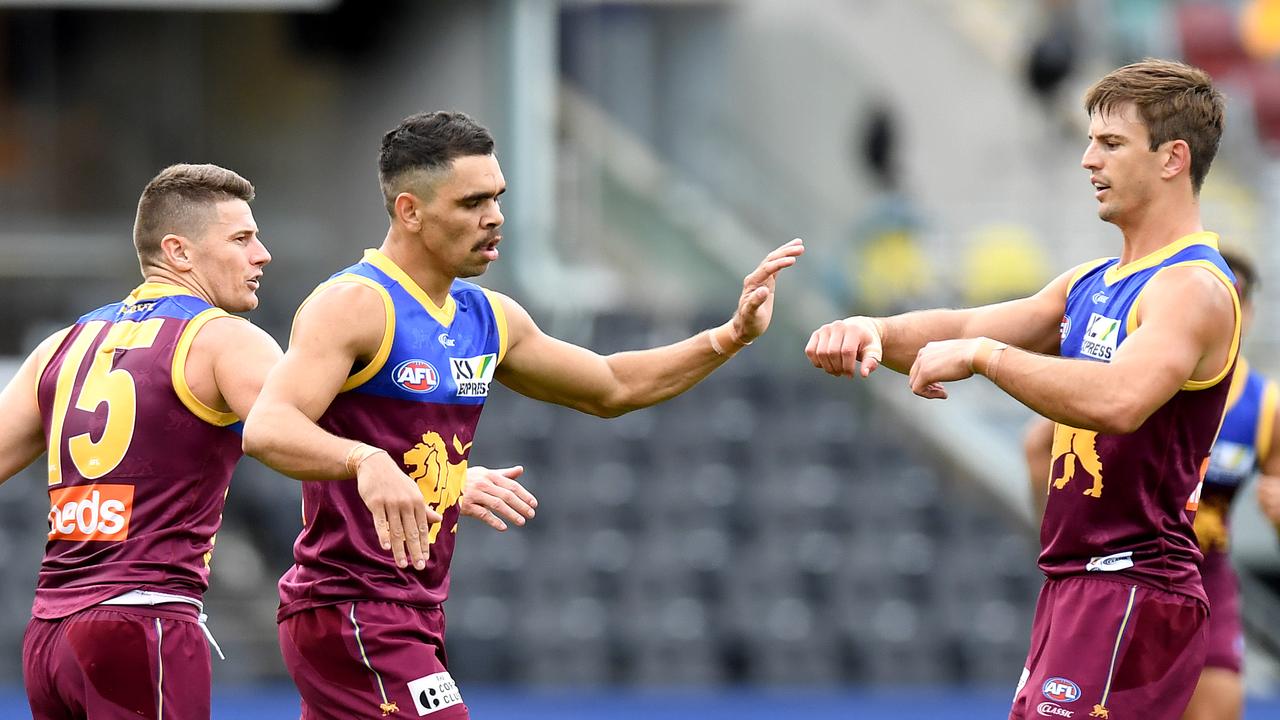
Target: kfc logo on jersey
90	512
472	375
1060	689
1049	709
1100	337
434	692
417	376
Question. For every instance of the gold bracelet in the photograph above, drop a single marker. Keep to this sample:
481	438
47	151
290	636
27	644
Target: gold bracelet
358	454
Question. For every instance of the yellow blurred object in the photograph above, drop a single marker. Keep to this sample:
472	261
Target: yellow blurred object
1003	262
892	271
1260	28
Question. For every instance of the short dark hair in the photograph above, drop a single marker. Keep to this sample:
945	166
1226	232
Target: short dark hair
430	142
1245	271
179	200
1174	100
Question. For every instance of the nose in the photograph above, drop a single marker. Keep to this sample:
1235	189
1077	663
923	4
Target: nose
493	219
1092	159
261	255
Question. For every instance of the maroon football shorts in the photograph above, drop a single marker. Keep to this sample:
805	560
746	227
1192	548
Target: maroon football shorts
370	659
1105	648
1226	632
118	662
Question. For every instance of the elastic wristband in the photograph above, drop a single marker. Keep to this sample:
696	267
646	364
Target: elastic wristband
986	359
719	350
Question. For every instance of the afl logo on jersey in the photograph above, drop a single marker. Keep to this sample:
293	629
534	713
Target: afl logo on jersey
417	376
1060	689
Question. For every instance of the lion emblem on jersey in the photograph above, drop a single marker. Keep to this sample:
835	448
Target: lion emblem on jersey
1074	453
439	480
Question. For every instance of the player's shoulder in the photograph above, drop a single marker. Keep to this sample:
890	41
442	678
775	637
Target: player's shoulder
226	332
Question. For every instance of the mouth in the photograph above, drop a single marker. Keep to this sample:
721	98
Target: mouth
1099	188
489	247
253	283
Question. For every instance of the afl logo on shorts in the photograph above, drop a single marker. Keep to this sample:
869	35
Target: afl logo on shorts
1060	689
417	376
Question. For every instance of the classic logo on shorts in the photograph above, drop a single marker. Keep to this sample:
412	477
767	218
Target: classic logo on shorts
472	375
1060	689
417	376
434	692
1100	337
1052	709
90	512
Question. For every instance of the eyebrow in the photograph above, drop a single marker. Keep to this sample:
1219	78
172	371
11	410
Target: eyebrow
480	196
1104	137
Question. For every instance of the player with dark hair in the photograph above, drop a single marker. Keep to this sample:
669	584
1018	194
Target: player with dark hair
139	405
387	371
1132	357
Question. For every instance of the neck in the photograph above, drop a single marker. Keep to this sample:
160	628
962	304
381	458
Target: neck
157	274
1159	224
409	254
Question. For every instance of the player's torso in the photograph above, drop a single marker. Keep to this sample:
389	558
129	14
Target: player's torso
138	467
1242	443
1118	503
419	399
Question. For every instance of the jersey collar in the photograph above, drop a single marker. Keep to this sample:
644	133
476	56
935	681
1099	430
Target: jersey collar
153	290
1120	272
442	314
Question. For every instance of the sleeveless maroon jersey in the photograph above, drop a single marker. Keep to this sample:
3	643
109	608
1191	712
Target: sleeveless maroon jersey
1121	506
420	400
138	466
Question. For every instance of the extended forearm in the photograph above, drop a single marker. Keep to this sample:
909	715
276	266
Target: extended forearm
288	441
1116	402
903	335
648	377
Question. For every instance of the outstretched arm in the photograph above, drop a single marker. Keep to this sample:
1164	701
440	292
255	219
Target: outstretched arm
1187	331
861	344
544	368
21	429
339	328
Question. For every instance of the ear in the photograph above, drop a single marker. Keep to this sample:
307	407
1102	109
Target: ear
176	251
1177	159
408	210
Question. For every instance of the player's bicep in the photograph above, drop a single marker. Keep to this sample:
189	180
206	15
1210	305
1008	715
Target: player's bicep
546	368
1186	321
332	334
21	430
246	356
1031	323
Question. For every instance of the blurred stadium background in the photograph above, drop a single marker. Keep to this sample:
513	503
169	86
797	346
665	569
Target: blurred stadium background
774	543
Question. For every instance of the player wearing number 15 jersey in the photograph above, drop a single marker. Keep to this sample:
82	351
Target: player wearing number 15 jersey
138	405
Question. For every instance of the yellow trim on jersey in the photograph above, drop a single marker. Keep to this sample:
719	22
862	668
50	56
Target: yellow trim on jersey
1131	322
361	376
443	315
1238	383
1266	420
1083	269
1120	272
178	372
499	318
